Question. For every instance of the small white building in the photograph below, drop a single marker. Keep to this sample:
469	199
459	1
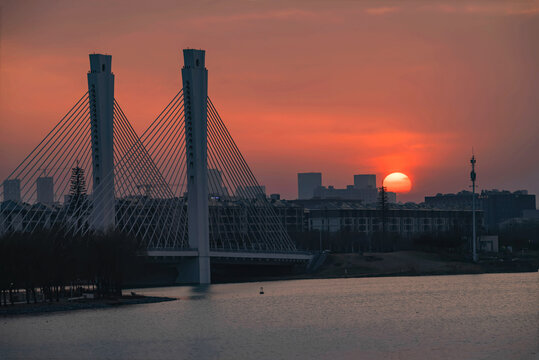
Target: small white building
488	243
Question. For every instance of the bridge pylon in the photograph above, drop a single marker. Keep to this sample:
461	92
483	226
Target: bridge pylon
195	92
101	98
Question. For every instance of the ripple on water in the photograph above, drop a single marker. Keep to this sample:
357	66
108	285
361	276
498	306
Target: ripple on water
492	316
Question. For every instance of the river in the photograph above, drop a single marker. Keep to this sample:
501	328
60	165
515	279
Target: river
491	316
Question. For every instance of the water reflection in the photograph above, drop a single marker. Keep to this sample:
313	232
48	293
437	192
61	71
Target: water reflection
198	292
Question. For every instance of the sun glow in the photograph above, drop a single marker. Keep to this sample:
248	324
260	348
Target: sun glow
397	182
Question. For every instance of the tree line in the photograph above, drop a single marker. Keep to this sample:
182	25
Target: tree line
52	261
355	241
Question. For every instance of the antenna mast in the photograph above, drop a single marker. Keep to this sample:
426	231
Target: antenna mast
472	177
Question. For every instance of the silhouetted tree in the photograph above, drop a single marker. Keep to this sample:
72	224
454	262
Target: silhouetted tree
51	260
77	191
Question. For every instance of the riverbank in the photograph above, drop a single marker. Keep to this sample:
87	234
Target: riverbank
336	265
417	263
399	263
81	304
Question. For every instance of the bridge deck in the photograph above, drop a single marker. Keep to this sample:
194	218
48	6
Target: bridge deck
232	254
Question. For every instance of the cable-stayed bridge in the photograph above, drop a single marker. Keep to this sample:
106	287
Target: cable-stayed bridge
182	188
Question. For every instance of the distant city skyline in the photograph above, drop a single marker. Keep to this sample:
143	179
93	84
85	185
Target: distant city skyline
350	89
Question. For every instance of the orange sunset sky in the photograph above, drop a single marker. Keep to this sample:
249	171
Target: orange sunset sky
340	87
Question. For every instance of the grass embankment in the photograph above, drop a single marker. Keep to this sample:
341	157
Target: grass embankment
412	263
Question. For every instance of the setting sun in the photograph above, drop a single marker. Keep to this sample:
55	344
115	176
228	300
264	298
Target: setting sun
397	182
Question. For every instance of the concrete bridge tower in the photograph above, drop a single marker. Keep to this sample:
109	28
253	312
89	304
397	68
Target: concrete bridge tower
195	93
101	95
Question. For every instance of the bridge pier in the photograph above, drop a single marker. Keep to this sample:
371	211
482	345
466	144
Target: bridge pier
195	95
189	271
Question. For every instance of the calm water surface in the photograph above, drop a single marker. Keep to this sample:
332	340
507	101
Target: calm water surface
493	316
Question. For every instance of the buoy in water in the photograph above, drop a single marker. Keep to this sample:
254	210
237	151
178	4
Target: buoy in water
261	290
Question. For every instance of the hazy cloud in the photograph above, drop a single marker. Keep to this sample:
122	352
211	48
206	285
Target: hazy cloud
486	8
340	87
382	10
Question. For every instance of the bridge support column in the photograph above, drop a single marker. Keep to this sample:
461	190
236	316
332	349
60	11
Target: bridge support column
189	271
101	95
195	94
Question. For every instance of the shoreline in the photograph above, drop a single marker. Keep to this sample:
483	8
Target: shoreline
64	305
22	309
334	276
351	276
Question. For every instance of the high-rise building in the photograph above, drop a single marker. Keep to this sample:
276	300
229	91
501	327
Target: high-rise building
364	189
502	205
461	200
251	191
365	181
498	205
12	190
365	184
307	183
215	183
367	195
45	190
